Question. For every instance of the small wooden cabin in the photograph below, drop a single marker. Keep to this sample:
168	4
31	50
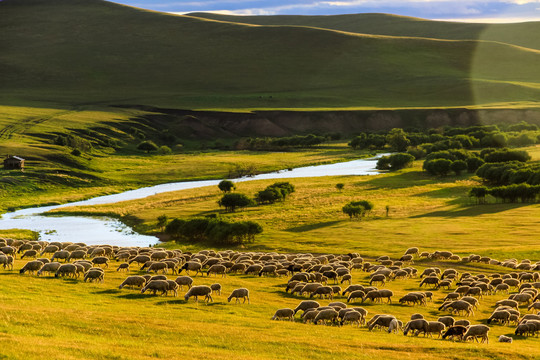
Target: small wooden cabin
13	162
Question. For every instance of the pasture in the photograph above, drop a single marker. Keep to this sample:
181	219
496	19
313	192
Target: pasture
70	319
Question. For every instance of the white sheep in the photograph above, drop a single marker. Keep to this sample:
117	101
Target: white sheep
199	290
239	293
285	313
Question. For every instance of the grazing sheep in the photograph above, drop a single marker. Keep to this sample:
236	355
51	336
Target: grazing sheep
412	251
507	302
326	315
6	261
30	253
447	320
458	306
430	280
502	288
451	296
155	286
268	270
49	268
140	259
253	269
534	306
199	290
157	266
352	288
323	291
133	281
217	269
184	280
380	278
412	298
94	275
66	270
173	287
305	305
77	255
32	267
346	277
61	254
462	322
216	288
501	316
352	317
159	255
123	266
435	327
239	293
192	266
416	326
523	298
380	320
310	315
100	260
505	339
50	249
285	313
417	316
309	288
455	331
477	331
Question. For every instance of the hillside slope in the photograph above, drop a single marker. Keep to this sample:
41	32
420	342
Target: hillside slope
522	34
93	51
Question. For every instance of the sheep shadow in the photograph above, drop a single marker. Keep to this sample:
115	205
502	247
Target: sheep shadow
133	296
172	302
108	291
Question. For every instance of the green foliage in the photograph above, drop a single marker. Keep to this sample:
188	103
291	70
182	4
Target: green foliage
275	192
513	172
340	186
147	146
505	155
474	163
232	201
438	166
458	166
356	209
513	193
397	139
395	161
162	221
76	152
480	193
164	150
214	231
417	152
73	141
226	186
298	141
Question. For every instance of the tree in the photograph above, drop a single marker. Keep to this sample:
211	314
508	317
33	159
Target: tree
458	166
397	139
340	186
162	221
226	186
164	150
438	166
147	146
353	210
480	193
232	201
395	161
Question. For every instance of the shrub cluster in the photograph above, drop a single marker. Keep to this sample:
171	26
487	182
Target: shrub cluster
214	231
297	141
511	193
74	142
456	160
395	161
357	209
275	192
513	172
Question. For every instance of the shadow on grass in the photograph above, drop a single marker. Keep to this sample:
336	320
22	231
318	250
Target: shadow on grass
470	211
108	291
310	227
134	296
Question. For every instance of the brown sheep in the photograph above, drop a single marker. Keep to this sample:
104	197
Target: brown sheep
435	327
133	281
305	305
284	314
32	267
184	280
477	331
239	293
416	326
155	286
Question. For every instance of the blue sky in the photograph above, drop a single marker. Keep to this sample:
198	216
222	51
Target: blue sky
459	10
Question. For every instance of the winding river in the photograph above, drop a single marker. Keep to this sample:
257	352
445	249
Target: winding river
101	230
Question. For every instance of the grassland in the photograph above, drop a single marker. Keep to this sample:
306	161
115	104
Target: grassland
209	64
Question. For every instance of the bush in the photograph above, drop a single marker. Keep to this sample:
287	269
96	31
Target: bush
233	201
438	166
353	210
506	155
164	150
458	166
474	163
340	186
226	186
76	152
395	161
147	146
275	192
480	193
397	139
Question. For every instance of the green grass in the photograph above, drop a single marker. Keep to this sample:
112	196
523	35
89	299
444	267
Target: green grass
207	64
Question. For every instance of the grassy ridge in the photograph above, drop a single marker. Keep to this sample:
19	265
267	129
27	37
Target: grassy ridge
522	34
211	64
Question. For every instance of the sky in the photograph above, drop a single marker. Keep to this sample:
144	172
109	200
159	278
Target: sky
492	11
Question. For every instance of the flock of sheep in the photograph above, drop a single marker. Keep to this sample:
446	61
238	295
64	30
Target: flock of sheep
313	276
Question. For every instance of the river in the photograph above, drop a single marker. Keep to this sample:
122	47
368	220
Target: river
101	230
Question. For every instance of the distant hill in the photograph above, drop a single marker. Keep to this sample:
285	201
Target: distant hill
96	52
522	34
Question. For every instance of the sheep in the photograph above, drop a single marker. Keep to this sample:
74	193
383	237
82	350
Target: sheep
61	254
6	261
502	288
253	269
159	255
352	288
157	266
386	294
435	327
412	251
447	320
507	302
217	269
380	278
77	255
431	280
326	315
94	275
455	331
49	267
173	287
268	269
199	290
534	307
32	267
323	291
140	259
192	266
477	331
451	296
310	315
101	260
66	270
346	277
133	281
501	316
239	293
522	298
155	286
380	320
184	280
216	288
471	300
305	305
458	306
309	288
417	326
505	339
411	298
285	313
30	253
352	317
123	266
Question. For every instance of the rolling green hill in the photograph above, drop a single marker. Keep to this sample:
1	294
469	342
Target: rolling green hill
522	34
80	52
